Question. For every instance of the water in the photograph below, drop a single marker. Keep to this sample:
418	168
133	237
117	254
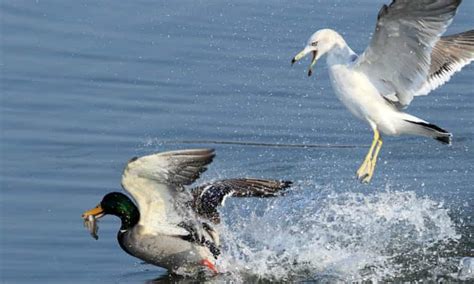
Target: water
88	84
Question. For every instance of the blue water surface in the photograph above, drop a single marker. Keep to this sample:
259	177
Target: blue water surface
86	85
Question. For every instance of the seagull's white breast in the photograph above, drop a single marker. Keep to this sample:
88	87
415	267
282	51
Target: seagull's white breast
356	92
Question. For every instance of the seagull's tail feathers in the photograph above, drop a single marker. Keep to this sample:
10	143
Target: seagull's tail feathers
414	125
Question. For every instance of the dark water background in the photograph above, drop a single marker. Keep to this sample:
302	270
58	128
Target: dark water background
86	85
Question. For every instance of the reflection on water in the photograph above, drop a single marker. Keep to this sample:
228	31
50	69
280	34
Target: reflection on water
86	85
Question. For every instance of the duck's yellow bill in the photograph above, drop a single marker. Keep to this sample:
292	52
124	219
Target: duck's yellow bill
96	212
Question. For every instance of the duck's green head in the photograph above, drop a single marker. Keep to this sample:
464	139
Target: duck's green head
118	204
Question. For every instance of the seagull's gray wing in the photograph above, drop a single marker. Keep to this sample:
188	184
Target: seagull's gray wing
208	197
156	184
399	55
450	54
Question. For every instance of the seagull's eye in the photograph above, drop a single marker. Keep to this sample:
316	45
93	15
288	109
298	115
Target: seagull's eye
314	43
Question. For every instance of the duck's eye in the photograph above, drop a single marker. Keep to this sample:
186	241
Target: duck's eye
314	43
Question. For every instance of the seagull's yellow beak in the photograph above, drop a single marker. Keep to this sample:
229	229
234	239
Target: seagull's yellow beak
303	53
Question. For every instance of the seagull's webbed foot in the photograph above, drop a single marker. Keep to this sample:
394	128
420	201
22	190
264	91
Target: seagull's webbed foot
366	171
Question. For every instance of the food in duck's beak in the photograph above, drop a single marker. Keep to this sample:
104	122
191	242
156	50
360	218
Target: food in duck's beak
91	224
90	220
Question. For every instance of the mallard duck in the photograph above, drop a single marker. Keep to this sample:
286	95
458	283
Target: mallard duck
170	226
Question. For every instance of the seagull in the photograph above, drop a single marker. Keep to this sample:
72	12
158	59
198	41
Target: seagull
169	225
407	57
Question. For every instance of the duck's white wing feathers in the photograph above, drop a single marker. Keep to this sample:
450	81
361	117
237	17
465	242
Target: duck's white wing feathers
156	183
450	54
399	54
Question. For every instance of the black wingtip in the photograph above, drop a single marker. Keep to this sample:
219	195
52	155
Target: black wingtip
286	184
282	189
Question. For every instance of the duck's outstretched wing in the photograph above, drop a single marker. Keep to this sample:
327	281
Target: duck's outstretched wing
208	197
399	54
450	54
156	183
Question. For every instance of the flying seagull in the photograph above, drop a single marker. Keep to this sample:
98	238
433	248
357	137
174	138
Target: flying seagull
406	57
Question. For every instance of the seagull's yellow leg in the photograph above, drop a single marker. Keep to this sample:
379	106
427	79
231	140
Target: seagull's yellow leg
373	161
366	170
368	157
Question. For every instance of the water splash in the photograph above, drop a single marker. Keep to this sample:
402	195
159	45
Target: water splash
466	269
328	235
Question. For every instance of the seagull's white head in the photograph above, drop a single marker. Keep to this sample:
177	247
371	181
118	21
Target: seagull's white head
320	43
